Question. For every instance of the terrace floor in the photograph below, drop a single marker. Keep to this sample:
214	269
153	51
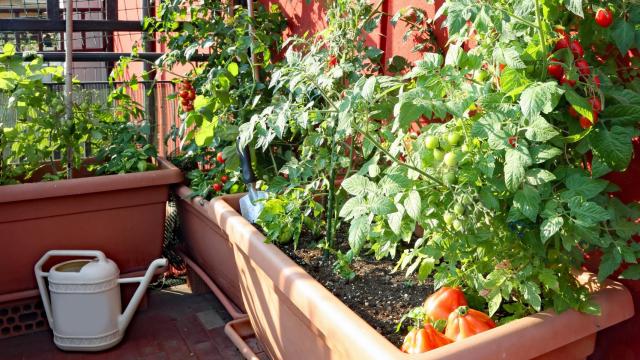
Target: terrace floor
176	324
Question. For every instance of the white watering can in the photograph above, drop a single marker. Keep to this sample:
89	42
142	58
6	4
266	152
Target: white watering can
85	310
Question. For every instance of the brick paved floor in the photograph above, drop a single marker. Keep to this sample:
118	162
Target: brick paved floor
175	325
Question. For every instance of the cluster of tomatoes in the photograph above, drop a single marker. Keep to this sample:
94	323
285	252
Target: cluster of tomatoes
557	68
447	304
217	186
187	95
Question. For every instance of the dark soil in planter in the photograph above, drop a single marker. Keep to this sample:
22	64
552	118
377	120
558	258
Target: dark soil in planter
377	295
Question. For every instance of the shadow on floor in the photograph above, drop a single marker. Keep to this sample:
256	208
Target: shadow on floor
175	325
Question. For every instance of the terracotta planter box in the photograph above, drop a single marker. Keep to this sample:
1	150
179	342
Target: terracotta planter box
292	314
122	215
208	245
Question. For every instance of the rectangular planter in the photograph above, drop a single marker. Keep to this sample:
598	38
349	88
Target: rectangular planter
208	245
292	314
122	215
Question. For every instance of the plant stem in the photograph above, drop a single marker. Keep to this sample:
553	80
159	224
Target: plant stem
393	158
331	199
543	37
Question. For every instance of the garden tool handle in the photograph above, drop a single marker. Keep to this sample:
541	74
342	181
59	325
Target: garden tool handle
248	176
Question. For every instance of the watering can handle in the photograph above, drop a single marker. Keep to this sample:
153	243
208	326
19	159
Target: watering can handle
40	275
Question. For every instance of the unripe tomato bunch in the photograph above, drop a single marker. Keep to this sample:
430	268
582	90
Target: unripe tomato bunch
187	95
565	74
448	151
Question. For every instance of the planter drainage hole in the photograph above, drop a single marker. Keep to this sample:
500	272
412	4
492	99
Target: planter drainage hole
15	310
11	320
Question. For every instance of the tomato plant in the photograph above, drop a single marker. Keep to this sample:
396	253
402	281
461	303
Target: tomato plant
41	131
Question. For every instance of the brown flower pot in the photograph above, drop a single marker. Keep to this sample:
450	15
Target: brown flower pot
295	317
208	245
122	215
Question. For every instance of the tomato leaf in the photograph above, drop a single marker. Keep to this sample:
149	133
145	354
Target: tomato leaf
550	227
613	146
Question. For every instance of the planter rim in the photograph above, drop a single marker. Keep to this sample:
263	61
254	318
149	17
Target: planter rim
546	330
166	174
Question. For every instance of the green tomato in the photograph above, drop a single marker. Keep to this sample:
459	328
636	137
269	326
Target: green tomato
438	154
431	142
465	148
449	178
448	218
433	199
458	209
481	75
444	144
450	159
457	224
454	138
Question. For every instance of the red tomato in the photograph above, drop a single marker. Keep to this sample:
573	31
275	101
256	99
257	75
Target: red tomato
596	80
465	322
604	18
220	158
585	123
583	67
185	102
184	94
421	340
596	105
224	179
573	112
332	61
565	80
192	95
555	70
441	303
513	141
576	49
562	43
188	107
216	187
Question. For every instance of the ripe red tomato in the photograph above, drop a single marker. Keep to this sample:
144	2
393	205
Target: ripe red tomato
220	158
184	94
583	67
576	49
596	105
188	107
555	70
192	95
596	80
185	102
562	43
332	61
604	18
513	141
224	179
216	187
573	112
585	123
565	80
441	303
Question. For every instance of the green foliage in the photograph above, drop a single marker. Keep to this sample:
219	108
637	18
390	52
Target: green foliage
508	192
230	84
41	130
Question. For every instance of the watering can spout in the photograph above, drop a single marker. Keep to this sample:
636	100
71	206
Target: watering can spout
125	318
